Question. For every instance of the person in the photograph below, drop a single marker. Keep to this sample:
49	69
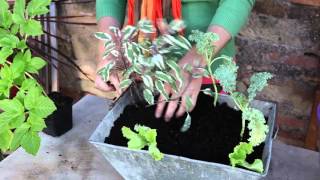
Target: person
223	17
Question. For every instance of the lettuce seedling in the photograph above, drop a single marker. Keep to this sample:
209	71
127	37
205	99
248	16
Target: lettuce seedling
21	117
144	136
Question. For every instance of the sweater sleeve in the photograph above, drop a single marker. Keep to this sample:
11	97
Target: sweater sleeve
232	15
113	8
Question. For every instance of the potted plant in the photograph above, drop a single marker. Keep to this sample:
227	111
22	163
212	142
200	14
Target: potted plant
149	64
23	113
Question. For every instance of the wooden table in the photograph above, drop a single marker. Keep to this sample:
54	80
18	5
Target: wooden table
71	157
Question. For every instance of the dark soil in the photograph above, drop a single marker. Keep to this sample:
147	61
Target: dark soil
213	134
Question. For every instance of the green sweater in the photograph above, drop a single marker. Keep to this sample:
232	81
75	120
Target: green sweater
198	14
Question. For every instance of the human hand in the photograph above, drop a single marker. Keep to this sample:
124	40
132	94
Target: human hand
191	88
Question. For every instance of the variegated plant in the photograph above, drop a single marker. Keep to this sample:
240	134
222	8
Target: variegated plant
155	62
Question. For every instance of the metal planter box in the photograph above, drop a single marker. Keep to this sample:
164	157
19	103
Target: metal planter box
138	165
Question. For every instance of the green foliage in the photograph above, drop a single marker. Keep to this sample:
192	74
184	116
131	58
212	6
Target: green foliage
21	117
239	155
144	136
257	82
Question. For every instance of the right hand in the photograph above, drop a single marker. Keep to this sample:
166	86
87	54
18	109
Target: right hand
112	85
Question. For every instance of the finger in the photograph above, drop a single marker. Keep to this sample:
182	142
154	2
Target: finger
116	83
100	84
171	108
161	103
182	110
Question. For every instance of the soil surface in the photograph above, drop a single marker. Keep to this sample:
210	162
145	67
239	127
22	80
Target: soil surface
213	134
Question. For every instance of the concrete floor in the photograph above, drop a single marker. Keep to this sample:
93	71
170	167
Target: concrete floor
71	157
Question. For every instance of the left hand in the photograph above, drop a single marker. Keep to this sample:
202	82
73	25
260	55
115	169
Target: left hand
191	88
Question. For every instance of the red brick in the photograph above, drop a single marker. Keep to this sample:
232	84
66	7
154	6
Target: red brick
307	2
291	122
305	62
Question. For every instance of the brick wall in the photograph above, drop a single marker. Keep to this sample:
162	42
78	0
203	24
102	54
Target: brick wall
281	37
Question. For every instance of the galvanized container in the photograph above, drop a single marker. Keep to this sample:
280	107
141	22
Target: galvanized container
138	164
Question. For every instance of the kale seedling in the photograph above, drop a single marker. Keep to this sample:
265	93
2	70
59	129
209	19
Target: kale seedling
144	136
21	117
224	69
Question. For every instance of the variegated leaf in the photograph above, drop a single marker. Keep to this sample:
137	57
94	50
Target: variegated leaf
116	31
147	80
146	26
128	32
164	77
107	52
128	72
177	25
189	103
158	61
160	88
125	83
115	53
208	92
105	72
103	36
148	96
129	52
188	68
187	123
175	42
185	41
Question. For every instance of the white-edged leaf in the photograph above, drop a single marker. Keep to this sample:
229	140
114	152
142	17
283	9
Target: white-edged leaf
146	26
116	31
164	77
103	36
105	72
115	53
187	123
177	71
160	88
147	81
148	96
188	68
177	25
185	41
125	83
174	42
158	61
189	103
128	32
208	92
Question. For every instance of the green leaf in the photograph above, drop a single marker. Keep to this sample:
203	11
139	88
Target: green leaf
208	92
148	82
38	7
31	142
9	41
37	124
15	29
187	123
155	152
31	28
227	75
28	84
177	71
257	125
5	86
31	98
239	155
12	105
22	45
135	141
17	67
6	139
18	135
5	52
241	99
43	108
18	11
125	83
189	103
160	88
35	64
164	77
5	14
148	96
105	72
257	82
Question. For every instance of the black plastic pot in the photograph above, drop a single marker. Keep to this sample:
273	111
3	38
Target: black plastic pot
60	121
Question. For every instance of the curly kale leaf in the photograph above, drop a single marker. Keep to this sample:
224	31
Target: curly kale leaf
144	136
257	82
239	155
227	75
204	41
257	125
